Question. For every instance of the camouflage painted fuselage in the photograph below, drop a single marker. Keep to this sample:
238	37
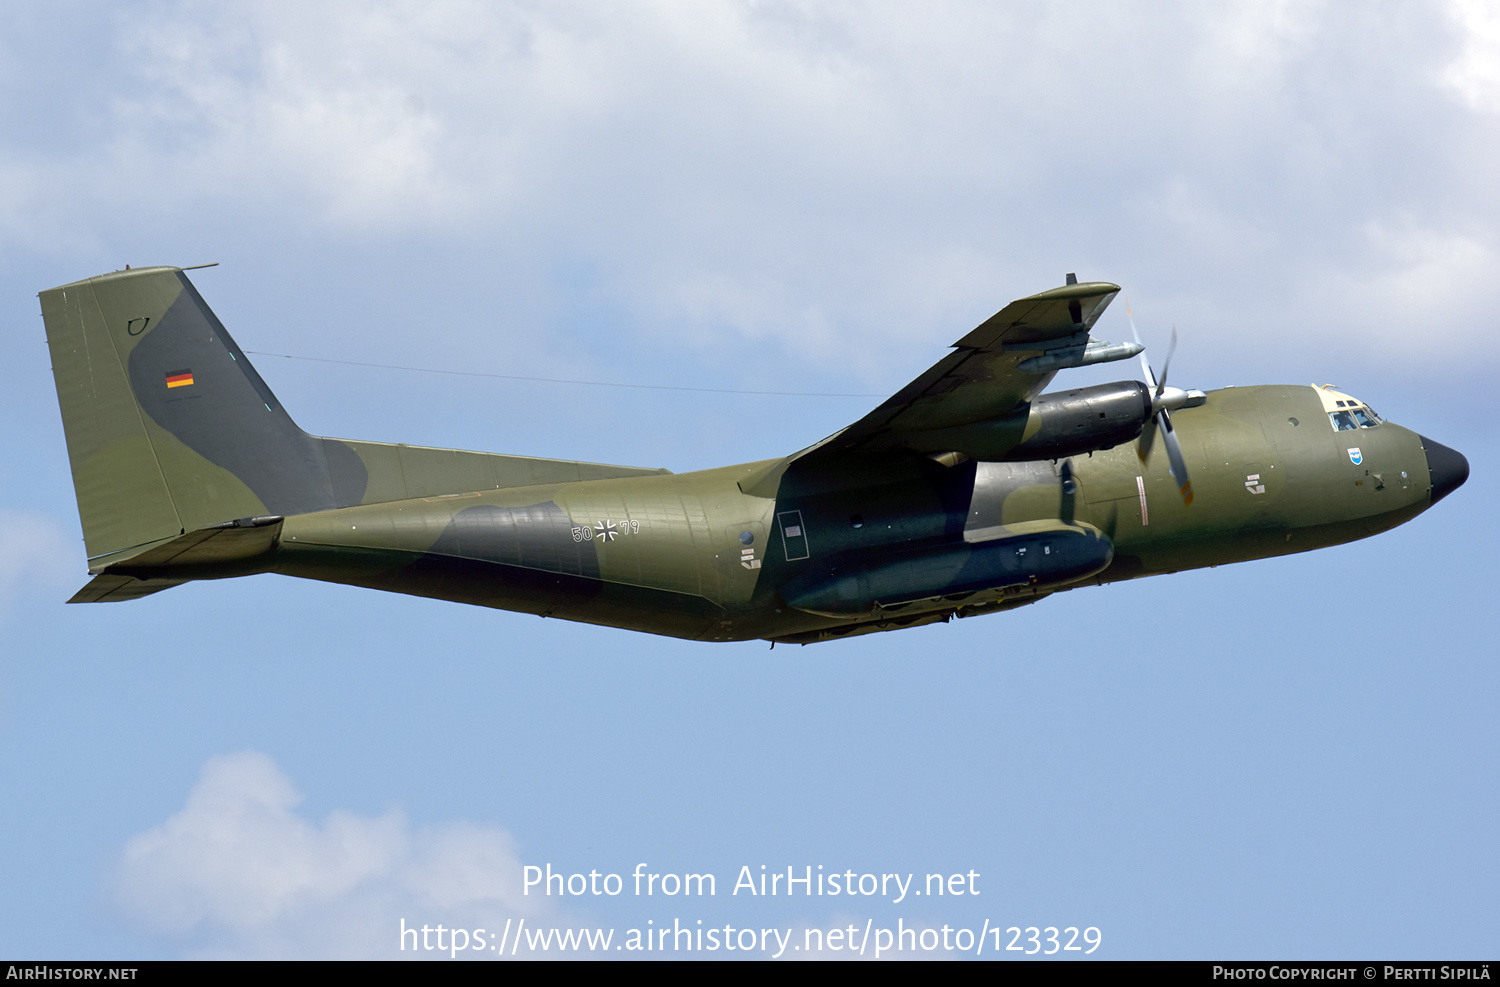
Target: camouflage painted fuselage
186	467
668	554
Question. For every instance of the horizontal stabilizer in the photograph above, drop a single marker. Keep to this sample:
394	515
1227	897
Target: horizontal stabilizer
228	545
110	588
234	548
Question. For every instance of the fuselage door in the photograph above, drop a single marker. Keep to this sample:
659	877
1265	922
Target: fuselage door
793	535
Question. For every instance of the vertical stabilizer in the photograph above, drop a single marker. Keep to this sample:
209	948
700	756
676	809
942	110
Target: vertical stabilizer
169	427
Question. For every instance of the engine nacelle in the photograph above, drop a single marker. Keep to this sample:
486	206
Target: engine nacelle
1084	419
1057	424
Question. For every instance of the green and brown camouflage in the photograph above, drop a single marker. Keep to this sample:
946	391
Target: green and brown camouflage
968	492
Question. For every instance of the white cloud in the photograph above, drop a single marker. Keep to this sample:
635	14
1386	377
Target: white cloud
1421	293
1474	75
857	184
239	873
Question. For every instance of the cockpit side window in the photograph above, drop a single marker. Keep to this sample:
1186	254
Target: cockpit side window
1365	419
1342	421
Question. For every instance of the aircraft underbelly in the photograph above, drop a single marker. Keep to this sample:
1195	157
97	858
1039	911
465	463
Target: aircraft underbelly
505	586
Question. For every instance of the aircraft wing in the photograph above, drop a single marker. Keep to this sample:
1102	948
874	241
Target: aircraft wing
992	373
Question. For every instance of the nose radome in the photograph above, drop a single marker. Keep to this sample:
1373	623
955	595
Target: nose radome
1448	467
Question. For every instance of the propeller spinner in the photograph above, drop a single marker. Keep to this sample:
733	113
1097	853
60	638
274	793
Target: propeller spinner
1165	400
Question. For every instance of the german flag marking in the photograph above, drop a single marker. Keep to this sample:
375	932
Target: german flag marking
179	378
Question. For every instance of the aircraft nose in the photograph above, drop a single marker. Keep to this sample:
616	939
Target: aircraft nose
1448	467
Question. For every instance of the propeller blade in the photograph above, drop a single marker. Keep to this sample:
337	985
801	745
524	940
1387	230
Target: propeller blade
1148	433
1145	363
1147	439
1174	457
1167	363
1161	421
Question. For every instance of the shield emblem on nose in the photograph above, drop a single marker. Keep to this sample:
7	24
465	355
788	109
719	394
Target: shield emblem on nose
1355	456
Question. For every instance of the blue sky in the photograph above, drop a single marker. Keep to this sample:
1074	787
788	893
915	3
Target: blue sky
1289	758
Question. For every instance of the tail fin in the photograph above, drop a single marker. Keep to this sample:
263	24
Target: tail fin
169	427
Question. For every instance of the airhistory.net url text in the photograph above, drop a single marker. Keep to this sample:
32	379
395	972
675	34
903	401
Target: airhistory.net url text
517	938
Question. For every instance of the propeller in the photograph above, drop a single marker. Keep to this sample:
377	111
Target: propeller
1165	400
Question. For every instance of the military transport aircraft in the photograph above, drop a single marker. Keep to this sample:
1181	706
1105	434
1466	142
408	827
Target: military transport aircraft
968	492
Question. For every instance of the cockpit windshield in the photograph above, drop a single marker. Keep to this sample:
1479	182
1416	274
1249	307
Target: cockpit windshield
1347	414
